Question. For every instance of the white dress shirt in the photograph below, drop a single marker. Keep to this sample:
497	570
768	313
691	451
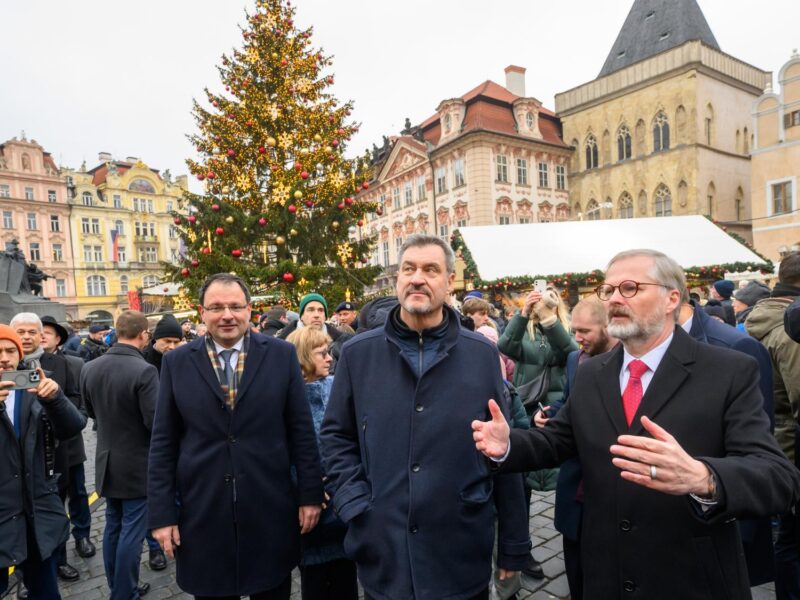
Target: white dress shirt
234	357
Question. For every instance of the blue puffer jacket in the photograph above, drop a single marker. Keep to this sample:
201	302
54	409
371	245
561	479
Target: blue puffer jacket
418	498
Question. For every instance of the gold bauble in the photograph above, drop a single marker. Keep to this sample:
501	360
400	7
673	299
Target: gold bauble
317	138
298	195
229	219
271	142
226	190
304	151
328	149
275	55
335	224
293	232
280	240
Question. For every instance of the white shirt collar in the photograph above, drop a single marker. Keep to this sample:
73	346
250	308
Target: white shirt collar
237	346
687	327
652	359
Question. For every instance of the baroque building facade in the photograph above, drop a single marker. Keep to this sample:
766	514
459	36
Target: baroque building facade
493	156
122	227
776	165
35	211
665	128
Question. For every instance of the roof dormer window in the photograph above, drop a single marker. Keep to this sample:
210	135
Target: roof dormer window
448	123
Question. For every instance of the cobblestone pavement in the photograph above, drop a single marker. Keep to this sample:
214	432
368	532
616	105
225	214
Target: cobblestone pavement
92	584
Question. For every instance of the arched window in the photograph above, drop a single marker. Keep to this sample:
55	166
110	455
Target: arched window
120	227
605	147
625	206
746	142
680	125
739	202
529	120
575	160
709	125
123	284
642	201
87	198
593	210
641	134
662	201
150	281
624	143
591	152
660	132
448	122
711	193
95	285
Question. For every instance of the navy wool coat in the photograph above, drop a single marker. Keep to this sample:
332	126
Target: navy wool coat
418	498
224	477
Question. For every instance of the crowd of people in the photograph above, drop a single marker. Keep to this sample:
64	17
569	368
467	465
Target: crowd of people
396	447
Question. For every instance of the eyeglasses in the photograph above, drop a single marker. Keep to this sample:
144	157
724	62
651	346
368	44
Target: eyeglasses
218	309
627	289
322	353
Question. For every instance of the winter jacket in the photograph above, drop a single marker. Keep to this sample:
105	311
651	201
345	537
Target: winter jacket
765	323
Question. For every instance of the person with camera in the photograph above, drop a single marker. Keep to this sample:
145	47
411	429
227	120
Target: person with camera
35	413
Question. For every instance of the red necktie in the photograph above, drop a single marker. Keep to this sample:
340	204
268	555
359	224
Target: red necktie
632	396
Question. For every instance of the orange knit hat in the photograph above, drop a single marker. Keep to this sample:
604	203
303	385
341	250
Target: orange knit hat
6	333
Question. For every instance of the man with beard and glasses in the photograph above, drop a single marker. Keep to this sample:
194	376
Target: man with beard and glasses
418	500
673	442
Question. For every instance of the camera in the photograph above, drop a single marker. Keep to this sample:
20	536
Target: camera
23	380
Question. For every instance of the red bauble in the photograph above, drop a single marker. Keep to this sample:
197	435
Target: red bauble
379	211
284	62
349	201
249	123
206	250
195	262
340	206
288	277
177	220
219	231
340	131
292	208
335	143
211	175
262	150
298	166
215	103
330	80
274	168
359	222
304	175
185	272
200	177
231	153
365	185
215	207
192	219
309	204
262	221
236	253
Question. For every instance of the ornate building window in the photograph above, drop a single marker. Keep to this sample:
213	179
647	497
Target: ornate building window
421	188
51	196
58	253
625	206
87	198
660	132
123	284
95	285
502	168
55	223
150	280
561	177
544	175
61	288
522	171
529	120
662	201
408	192
5	190
592	157
441	180
562	212
448	123
593	210
624	143
458	172
34	252
709	125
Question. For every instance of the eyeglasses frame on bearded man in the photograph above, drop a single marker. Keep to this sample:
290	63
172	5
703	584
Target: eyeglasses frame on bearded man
599	290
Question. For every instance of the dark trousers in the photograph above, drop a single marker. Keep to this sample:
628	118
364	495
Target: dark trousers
787	558
484	595
79	514
38	575
122	545
573	566
334	580
282	592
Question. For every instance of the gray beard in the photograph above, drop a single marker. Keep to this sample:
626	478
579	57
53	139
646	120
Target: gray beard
635	330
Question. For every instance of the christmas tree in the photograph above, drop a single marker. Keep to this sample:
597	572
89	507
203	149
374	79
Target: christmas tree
279	206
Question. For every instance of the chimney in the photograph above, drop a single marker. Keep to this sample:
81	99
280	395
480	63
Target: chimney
104	157
515	80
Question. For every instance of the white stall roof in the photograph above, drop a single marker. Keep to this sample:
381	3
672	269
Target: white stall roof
583	246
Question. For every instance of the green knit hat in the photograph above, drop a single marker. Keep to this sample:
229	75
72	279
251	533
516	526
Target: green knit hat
313	298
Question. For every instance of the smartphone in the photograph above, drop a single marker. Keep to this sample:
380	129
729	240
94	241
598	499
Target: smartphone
23	380
540	285
544	409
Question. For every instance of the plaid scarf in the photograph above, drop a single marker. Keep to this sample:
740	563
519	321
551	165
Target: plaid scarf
237	374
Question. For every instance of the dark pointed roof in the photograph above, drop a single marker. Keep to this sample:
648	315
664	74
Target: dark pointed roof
654	26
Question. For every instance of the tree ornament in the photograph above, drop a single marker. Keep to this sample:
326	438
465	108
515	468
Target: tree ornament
205	250
211	175
271	142
262	150
292	208
219	231
379	211
349	201
298	166
335	224
192	219
365	185
288	277
229	219
177	220
231	153
236	253
185	271
280	240
304	175
195	262
360	223
293	232
309	204
298	195
262	221
335	143
215	207
340	206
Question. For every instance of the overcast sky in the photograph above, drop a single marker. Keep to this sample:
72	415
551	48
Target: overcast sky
87	76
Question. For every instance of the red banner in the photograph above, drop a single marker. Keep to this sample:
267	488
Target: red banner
134	303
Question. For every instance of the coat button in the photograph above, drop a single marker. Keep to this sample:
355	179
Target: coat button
419	408
628	585
227	478
413	529
625	525
232	439
415	468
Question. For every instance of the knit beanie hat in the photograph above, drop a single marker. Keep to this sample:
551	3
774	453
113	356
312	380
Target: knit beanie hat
752	293
7	333
724	287
168	326
313	298
473	294
488	332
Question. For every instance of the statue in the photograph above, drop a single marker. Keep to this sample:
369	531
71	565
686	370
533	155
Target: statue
35	276
407	127
21	287
167	176
12	269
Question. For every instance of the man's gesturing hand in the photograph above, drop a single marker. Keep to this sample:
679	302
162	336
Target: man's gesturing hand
168	538
308	516
491	437
675	471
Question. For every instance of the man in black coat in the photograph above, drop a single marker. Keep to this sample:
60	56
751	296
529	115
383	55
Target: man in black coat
674	443
94	345
232	420
32	519
120	390
31	330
